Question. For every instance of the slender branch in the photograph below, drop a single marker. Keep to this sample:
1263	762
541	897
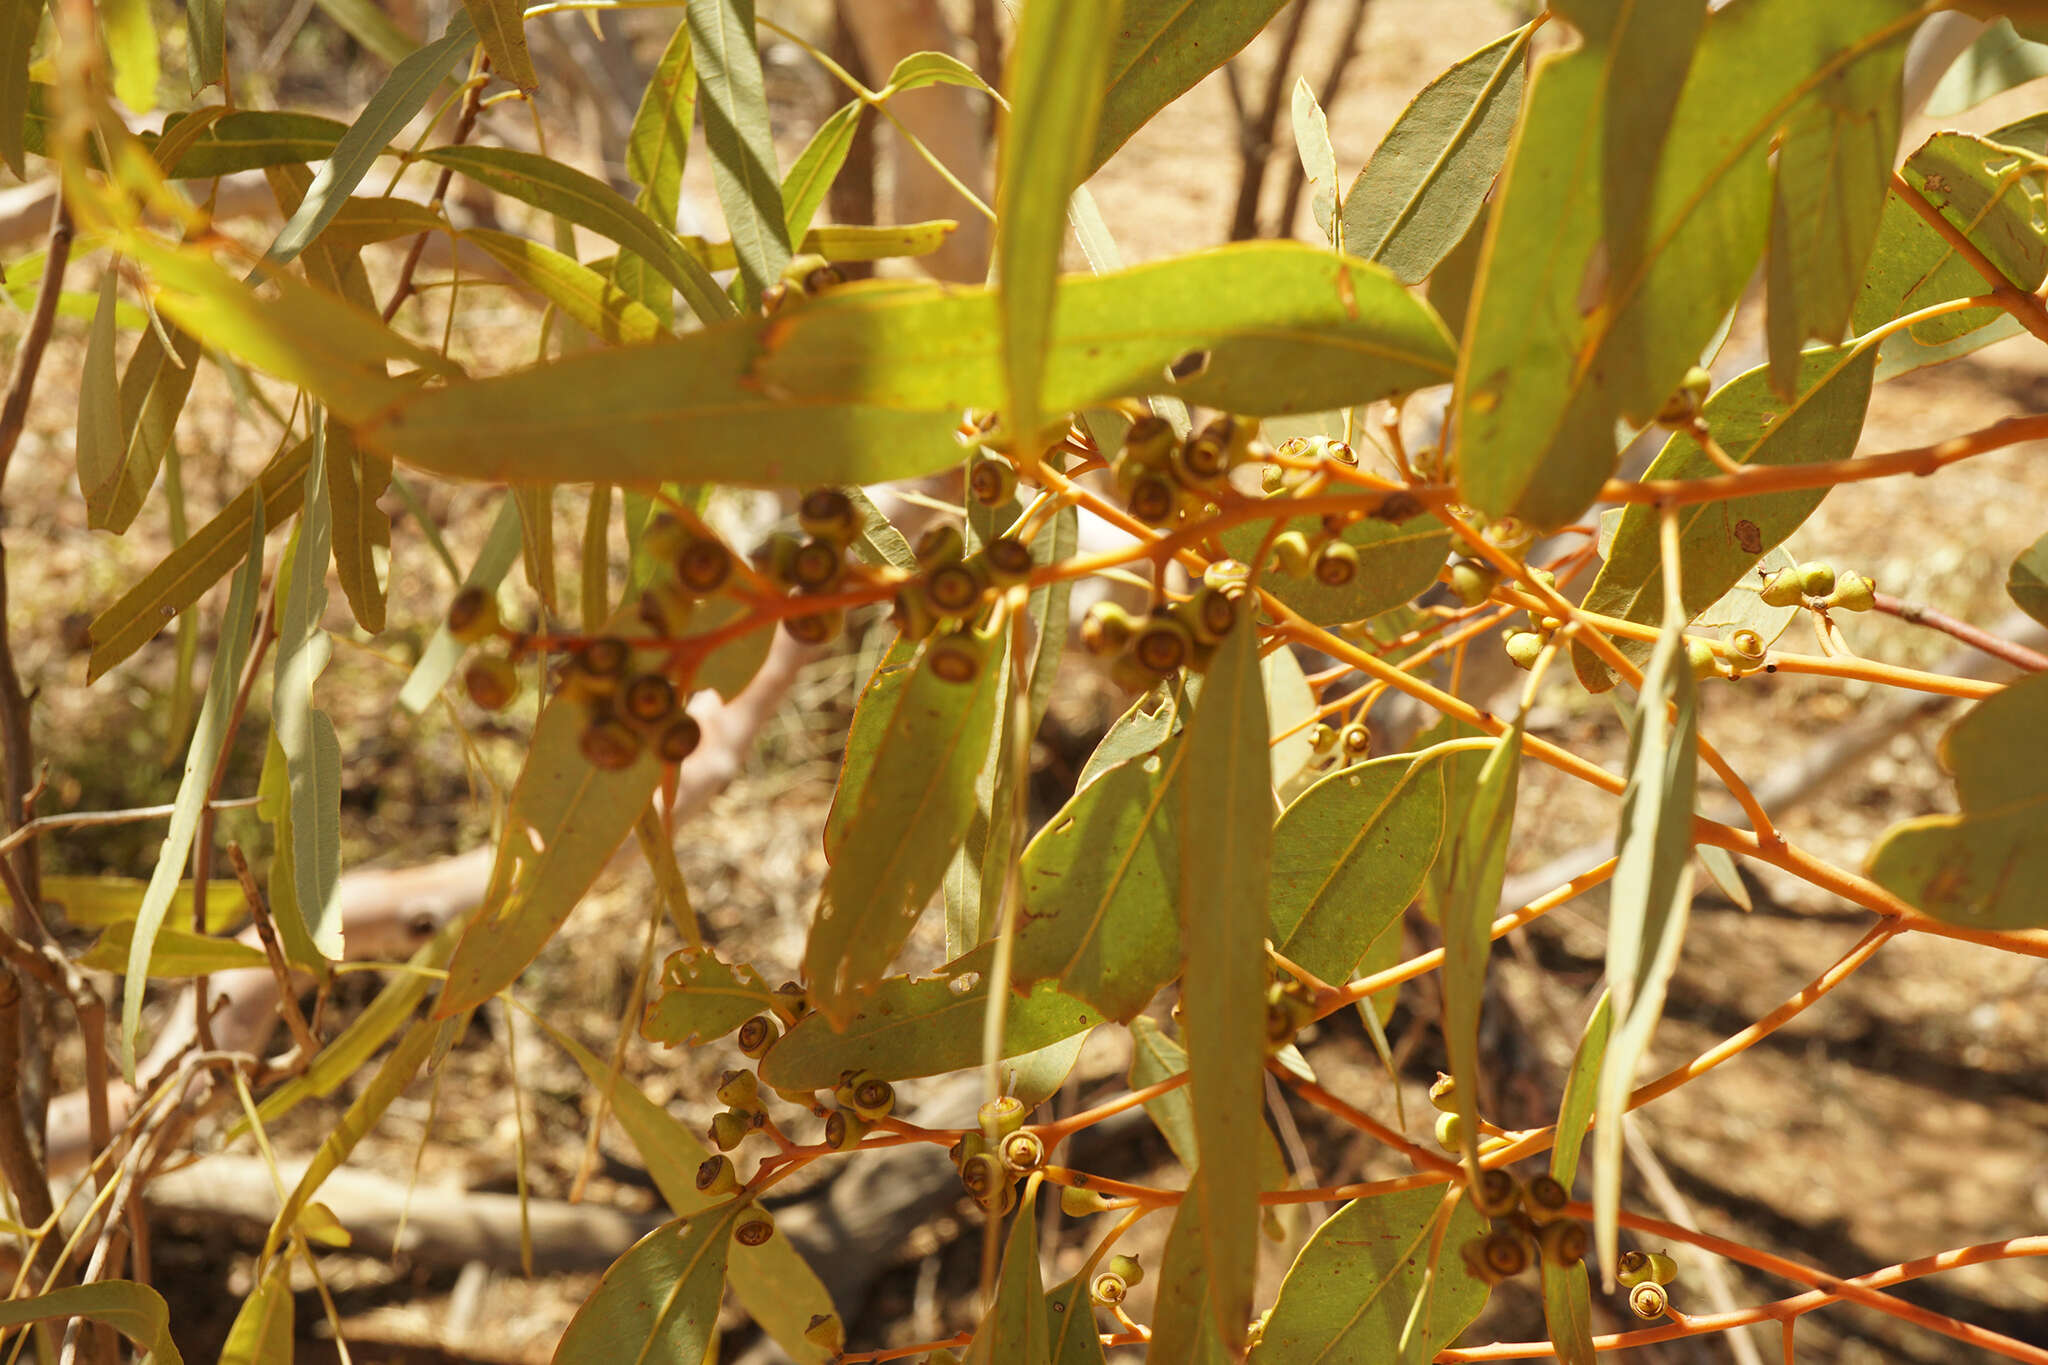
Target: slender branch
2031	312
2018	655
43	824
287	992
1255	135
472	101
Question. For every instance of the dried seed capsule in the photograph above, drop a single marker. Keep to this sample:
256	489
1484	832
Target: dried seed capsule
679	739
1816	579
1000	1117
1107	1289
1506	1251
605	657
754	1230
1443	1092
1021	1152
1562	1242
991	481
1854	592
982	1175
491	681
1076	1202
1149	442
1633	1268
703	565
954	588
648	700
740	1090
954	658
1495	1193
716	1176
826	1332
1291	554
815	627
1356	740
1210	614
1336	564
1153	499
817	565
1473	581
1544	1199
609	744
1648	1301
828	514
1524	647
844	1130
473	615
1201	462
1007	561
729	1129
1782	589
874	1099
757	1035
1107	628
1161	645
940	544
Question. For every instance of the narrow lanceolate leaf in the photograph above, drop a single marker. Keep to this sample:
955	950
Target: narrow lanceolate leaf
1155	1057
130	34
1161	50
866	383
1396	562
1055	83
1015	1330
737	133
571	195
356	478
176	952
872	715
567	819
209	736
153	392
922	1026
1070	1320
2026	582
206	42
18	20
404	91
659	1301
1099	886
264	1329
1184	1314
607	310
1476	864
1581	1085
701	999
1318	158
501	28
1984	866
305	733
656	147
1349	1293
100	446
811	175
1226	831
1426	181
1721	543
1349	854
1828	193
912	813
1652	894
1559	350
437	661
134	1310
1568	1312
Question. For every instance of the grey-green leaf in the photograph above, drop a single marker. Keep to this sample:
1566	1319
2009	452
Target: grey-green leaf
1476	862
1161	50
659	1301
1016	1329
2027	581
1396	561
738	134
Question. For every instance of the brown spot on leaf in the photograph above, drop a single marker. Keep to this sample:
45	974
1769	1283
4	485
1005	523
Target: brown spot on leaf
1749	537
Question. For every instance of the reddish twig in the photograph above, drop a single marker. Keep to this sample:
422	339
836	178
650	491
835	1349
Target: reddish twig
2018	655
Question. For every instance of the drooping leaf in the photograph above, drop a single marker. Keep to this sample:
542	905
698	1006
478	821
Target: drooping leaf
1999	60
501	28
1055	85
1568	1312
702	999
566	820
921	69
305	733
1290	706
99	439
607	310
1226	832
209	736
912	812
1721	542
1017	1329
657	146
738	134
1555	355
206	42
1349	854
1184	1313
912	1026
356	478
1423	187
1651	895
1349	1292
18	21
130	34
659	1301
866	383
99	902
1161	50
176	952
872	715
1581	1085
811	175
134	1310
1475	864
841	242
2026	582
1396	561
1318	158
1070	1322
1155	1057
153	392
263	1331
1983	866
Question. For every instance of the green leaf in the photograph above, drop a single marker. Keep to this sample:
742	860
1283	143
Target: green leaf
100	902
1184	1314
1226	831
1651	894
175	952
501	28
2027	581
1070	1321
1721	542
1555	356
1581	1085
1161	49
872	715
306	733
1036	1076
1568	1312
1017	1329
401	96
1349	1292
702	999
206	43
355	480
1318	158
577	198
1982	867
1155	1057
566	820
1833	173
1424	186
153	393
1057	63
1099	884
866	383
1349	854
1290	708
101	449
1995	63
606	309
922	1026
130	35
913	811
209	736
817	166
263	1331
659	1301
18	22
1396	561
921	69
1475	865
437	661
134	1310
253	139
657	147
1648	52
738	133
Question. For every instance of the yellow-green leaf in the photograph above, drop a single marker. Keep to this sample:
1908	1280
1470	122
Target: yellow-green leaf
263	1331
1070	1319
1016	1329
18	21
1581	1087
134	1310
609	312
2026	582
501	28
99	444
176	952
1568	1312
130	34
101	902
153	393
500	550
1185	1314
1475	864
739	136
702	999
206	41
1161	50
659	1301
